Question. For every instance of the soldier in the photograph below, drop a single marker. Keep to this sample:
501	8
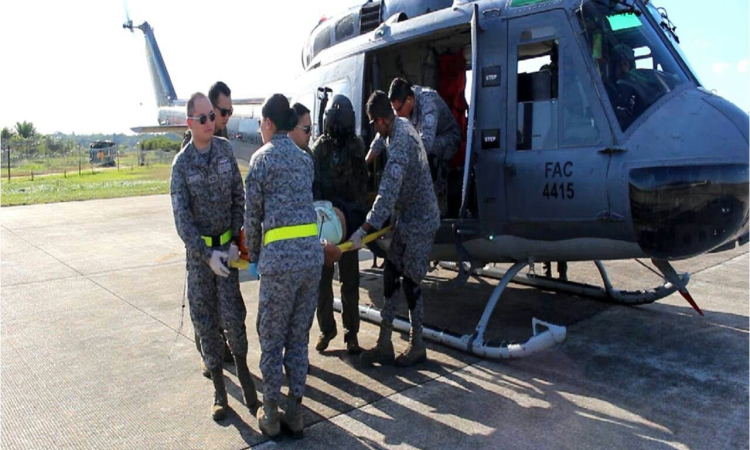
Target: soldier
221	99
405	187
282	239
207	201
341	178
302	131
441	135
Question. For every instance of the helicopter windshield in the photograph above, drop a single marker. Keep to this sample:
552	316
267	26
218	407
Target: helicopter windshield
636	67
668	30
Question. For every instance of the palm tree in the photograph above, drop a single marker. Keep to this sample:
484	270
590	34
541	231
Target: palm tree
25	129
7	133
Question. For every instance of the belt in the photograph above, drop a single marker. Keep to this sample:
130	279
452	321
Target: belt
292	232
216	241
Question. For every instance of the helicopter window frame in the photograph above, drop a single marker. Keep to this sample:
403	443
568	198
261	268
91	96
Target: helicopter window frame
322	41
344	28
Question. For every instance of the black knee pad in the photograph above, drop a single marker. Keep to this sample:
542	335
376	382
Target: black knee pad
412	292
391	277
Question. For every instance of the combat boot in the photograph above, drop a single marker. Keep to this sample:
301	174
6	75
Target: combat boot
415	353
219	408
383	352
352	344
324	339
268	419
291	420
247	383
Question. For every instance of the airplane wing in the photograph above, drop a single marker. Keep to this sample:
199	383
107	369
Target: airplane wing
160	129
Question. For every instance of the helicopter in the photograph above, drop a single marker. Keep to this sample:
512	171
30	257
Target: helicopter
588	137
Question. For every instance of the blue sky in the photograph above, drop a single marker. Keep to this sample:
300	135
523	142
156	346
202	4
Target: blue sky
69	66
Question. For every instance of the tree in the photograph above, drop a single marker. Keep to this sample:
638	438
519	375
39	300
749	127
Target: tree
25	129
7	134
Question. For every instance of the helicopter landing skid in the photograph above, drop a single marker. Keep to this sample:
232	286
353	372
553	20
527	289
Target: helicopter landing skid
475	343
607	293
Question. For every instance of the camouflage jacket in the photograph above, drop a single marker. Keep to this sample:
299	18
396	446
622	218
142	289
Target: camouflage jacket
406	184
432	118
279	194
207	197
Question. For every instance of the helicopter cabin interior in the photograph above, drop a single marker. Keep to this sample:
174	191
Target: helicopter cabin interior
441	61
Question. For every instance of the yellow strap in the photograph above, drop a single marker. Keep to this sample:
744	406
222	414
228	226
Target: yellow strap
292	232
225	237
347	246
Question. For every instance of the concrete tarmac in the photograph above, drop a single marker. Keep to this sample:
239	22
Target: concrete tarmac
91	357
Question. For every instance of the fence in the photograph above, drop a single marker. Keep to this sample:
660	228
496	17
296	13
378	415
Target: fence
22	163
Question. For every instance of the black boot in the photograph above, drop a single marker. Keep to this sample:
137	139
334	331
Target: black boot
247	383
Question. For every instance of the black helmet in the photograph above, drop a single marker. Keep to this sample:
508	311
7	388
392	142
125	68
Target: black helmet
339	118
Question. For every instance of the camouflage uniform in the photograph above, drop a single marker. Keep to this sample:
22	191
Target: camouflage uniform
405	187
341	178
185	141
207	199
441	137
279	194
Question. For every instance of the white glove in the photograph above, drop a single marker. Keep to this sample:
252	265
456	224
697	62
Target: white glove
357	238
218	265
233	253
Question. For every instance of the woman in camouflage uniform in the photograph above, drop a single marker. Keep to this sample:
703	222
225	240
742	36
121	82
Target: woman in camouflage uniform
281	236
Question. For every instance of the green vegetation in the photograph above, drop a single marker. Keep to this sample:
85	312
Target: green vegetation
105	183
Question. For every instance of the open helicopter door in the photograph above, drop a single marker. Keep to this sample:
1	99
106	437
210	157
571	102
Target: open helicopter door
556	170
488	117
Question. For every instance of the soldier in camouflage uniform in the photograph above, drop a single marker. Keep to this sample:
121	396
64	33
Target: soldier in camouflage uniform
406	192
441	135
221	99
207	201
341	178
282	238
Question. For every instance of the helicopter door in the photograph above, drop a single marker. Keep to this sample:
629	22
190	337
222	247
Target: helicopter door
344	77
556	175
489	86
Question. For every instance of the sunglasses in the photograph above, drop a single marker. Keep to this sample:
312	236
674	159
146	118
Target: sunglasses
202	118
307	129
225	112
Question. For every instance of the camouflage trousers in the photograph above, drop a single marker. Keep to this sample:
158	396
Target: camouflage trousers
285	314
216	304
445	147
408	257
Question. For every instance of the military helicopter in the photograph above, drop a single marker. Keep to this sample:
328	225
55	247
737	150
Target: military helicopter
588	138
242	128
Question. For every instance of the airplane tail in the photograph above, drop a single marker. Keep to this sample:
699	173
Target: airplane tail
163	87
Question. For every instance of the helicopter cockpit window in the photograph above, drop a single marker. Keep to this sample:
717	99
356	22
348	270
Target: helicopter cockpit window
636	67
322	41
345	28
537	95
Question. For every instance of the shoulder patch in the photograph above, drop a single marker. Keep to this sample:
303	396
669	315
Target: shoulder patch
429	120
396	170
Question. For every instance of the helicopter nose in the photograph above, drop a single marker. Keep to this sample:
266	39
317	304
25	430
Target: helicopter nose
699	200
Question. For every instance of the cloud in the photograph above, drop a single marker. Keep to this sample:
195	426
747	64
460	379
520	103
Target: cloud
743	66
720	67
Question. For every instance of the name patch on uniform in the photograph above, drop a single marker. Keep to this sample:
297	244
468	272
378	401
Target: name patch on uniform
225	165
198	177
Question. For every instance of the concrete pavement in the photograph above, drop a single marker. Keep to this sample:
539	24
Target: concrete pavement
91	357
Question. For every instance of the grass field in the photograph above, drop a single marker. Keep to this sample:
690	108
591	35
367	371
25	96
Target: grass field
105	183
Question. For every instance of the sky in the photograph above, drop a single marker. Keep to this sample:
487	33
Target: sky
69	66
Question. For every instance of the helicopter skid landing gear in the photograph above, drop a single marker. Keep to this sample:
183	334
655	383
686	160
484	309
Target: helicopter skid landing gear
608	293
474	343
